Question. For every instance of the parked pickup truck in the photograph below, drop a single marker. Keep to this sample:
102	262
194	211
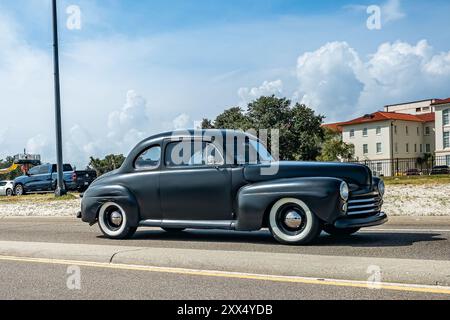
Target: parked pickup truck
43	178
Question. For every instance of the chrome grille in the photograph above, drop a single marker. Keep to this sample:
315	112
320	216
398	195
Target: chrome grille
366	204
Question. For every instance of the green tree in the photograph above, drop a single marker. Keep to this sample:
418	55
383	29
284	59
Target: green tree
334	149
109	163
299	127
233	118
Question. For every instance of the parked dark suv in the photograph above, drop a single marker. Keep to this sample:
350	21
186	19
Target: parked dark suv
43	178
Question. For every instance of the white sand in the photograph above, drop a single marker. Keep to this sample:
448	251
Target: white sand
433	200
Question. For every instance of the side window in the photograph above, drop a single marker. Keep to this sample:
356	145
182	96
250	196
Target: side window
34	171
149	159
192	154
43	170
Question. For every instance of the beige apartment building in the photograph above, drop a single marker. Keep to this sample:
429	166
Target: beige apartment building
385	136
442	108
402	131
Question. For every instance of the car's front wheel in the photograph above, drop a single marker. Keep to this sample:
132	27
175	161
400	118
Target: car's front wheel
113	222
19	190
292	222
333	231
9	193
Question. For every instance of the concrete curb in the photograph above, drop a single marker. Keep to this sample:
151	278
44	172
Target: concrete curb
409	271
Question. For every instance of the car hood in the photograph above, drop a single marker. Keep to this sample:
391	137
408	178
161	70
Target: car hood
351	173
20	179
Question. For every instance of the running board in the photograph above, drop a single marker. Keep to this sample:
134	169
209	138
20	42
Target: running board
190	224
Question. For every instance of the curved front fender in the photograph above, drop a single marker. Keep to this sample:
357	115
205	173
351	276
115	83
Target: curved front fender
97	195
320	194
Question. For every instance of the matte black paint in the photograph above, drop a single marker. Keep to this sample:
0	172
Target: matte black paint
230	196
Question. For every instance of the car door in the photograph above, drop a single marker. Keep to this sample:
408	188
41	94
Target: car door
2	188
31	184
195	183
44	178
144	182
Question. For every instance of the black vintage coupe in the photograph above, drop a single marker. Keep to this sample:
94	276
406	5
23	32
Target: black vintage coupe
223	179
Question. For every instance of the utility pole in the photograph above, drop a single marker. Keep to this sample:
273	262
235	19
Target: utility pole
60	188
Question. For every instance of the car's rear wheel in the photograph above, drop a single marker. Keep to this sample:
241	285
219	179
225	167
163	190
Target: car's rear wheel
19	190
173	230
292	222
333	231
9	193
113	222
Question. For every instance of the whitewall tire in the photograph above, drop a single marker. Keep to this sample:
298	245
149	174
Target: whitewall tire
292	222
113	221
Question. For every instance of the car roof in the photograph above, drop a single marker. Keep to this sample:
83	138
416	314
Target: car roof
199	132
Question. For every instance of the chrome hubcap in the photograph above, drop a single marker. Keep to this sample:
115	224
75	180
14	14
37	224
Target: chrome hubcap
116	218
293	219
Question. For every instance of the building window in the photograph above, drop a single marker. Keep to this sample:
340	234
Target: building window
352	133
446	117
395	129
407	148
428	148
418	131
447	140
421	148
418	109
379	148
379	167
415	147
365	132
365	148
427	131
407	131
378	131
448	160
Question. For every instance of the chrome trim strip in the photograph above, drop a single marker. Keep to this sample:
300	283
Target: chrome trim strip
370	194
375	210
364	206
363	200
194	224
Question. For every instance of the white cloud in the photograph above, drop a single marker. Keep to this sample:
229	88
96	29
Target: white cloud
268	88
330	78
336	82
38	145
132	119
181	122
392	11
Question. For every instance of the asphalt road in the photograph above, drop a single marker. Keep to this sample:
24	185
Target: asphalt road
408	251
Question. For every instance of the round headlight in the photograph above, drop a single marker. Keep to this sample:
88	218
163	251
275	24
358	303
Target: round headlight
381	187
345	192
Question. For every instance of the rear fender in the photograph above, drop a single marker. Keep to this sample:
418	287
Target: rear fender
321	195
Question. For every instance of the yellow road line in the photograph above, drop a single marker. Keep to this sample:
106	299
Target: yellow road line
236	275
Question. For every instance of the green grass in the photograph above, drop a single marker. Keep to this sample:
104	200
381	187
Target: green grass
39	198
417	180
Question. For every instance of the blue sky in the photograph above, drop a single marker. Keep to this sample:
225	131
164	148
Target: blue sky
139	67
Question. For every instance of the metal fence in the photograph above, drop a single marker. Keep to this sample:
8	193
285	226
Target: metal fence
405	166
